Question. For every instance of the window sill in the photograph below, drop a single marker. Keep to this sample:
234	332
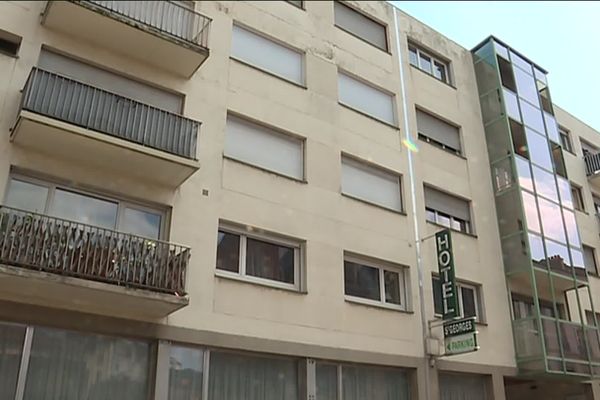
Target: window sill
474	236
278	174
258	281
387	51
369	116
373	204
452	152
376	304
274	75
432	76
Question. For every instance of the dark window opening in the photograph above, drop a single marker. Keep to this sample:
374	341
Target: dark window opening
518	138
546	100
559	162
9	43
506	74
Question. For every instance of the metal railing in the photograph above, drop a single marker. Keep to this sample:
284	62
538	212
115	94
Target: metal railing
592	163
166	17
68	248
93	108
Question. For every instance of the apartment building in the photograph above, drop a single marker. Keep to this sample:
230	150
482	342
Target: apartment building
237	200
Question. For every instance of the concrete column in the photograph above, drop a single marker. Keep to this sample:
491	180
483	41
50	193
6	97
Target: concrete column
498	392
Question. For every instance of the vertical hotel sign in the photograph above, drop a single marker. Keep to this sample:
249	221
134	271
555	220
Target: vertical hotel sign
443	243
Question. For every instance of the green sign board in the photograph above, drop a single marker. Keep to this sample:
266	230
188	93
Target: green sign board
459	327
443	243
464	343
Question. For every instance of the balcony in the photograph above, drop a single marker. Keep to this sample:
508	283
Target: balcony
154	32
592	168
65	264
90	126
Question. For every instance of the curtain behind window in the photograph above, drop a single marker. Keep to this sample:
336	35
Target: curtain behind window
361	383
68	365
242	377
11	347
462	387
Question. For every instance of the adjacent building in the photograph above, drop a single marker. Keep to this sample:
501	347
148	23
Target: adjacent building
237	200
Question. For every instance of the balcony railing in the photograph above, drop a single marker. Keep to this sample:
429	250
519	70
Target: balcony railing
166	17
592	163
80	104
68	248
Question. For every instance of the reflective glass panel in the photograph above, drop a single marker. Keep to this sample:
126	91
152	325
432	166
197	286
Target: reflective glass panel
361	281
544	183
518	60
85	209
270	261
468	302
425	62
373	383
552	221
186	367
501	50
512	105
531	214
392	287
26	196
552	128
536	246
556	250
578	260
526	86
571	225
539	75
141	222
228	251
524	172
412	55
539	151
532	117
564	189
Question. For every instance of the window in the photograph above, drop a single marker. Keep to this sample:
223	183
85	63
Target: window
373	282
565	139
437	132
447	210
186	370
297	3
267	55
558	160
506	74
463	386
588	148
9	43
359	382
518	137
469	299
75	205
577	198
252	377
589	260
589	316
11	350
261	258
371	184
264	147
366	99
360	25
523	307
426	62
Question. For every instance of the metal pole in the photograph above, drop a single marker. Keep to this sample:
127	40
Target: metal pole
411	176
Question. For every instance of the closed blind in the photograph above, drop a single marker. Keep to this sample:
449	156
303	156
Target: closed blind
371	184
447	204
438	130
366	98
360	25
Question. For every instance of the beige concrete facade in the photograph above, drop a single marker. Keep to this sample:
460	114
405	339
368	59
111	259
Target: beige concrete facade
318	321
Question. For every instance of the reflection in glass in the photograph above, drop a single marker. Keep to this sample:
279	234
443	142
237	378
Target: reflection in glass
571	225
425	62
228	252
361	281
392	287
539	75
536	246
544	183
141	223
518	60
512	105
26	196
539	151
84	209
532	116
412	55
557	253
578	260
552	128
186	366
531	214
552	222
501	50
564	189
439	71
270	261
524	172
526	86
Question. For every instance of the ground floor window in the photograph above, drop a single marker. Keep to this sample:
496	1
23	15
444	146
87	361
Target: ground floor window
11	351
463	386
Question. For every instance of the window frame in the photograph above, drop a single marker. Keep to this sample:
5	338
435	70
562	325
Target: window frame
468	231
594	259
433	59
577	193
122	203
565	139
369	17
477	290
267	237
382	267
424	137
276	41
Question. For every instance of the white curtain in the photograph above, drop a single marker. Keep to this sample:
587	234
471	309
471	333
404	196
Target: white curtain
371	383
462	387
243	377
11	347
68	365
